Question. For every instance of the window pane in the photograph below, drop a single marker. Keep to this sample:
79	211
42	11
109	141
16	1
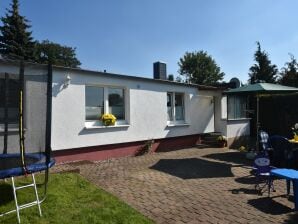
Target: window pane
179	107
13	100
231	111
116	103
236	107
169	106
94	100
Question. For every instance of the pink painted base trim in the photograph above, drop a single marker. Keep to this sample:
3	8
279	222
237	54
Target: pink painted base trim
105	152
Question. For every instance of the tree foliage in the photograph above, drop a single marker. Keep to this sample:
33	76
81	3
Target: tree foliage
289	73
200	68
57	54
262	70
16	41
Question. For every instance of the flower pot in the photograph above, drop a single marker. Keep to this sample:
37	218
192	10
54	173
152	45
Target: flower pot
222	144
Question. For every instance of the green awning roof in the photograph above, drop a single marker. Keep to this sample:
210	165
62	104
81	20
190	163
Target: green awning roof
262	88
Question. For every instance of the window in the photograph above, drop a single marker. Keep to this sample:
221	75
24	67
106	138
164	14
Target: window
116	103
236	107
100	100
13	99
94	99
179	107
169	106
175	107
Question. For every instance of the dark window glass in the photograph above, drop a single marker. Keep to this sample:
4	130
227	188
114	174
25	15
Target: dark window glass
169	106
94	100
236	107
116	103
179	107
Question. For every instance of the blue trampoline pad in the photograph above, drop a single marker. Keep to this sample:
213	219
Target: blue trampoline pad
11	164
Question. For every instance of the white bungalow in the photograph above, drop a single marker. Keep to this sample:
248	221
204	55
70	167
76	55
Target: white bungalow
174	114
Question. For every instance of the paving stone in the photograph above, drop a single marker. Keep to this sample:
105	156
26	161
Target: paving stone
189	186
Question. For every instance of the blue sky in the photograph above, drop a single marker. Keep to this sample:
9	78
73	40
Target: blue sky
126	37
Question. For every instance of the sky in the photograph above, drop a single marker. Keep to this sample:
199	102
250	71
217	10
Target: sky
126	37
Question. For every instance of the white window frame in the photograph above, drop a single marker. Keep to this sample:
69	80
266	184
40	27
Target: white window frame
174	121
98	123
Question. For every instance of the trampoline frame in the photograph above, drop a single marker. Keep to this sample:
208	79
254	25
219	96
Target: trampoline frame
39	166
32	168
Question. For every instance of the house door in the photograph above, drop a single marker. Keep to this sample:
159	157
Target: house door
206	113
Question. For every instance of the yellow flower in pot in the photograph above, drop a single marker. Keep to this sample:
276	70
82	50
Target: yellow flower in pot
222	140
295	131
108	119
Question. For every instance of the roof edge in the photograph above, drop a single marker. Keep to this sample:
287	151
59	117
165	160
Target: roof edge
200	87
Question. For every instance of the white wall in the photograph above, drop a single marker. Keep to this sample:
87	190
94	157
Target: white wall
229	128
237	128
146	104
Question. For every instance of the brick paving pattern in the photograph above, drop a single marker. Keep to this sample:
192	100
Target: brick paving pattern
190	186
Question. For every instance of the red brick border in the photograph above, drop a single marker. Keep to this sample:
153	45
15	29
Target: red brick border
104	152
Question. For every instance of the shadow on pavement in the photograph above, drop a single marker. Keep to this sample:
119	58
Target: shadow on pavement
230	157
245	191
191	168
269	206
292	219
246	180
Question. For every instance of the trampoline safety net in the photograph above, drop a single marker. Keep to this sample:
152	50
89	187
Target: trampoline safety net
24	122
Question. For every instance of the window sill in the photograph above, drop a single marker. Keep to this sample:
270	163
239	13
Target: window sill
178	125
112	126
238	119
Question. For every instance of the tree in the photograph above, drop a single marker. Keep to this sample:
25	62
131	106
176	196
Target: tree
289	73
57	54
262	70
15	39
178	79
200	68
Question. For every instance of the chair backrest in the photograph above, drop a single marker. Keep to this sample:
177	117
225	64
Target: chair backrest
262	163
264	140
281	151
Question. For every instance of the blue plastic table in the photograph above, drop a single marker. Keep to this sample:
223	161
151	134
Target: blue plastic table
289	175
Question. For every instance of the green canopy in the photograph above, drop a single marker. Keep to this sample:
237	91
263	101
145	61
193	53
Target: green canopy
262	88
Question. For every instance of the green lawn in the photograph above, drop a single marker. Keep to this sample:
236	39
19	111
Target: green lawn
70	199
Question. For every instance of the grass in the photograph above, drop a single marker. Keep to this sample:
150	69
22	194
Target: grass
70	199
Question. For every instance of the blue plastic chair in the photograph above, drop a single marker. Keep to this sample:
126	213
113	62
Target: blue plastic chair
262	170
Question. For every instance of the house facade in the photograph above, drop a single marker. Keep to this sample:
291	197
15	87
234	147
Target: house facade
172	114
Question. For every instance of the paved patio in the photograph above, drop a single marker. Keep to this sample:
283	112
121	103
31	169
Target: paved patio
190	186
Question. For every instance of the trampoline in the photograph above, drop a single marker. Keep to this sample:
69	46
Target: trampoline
11	166
25	130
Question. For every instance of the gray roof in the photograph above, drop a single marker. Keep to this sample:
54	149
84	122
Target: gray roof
262	88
